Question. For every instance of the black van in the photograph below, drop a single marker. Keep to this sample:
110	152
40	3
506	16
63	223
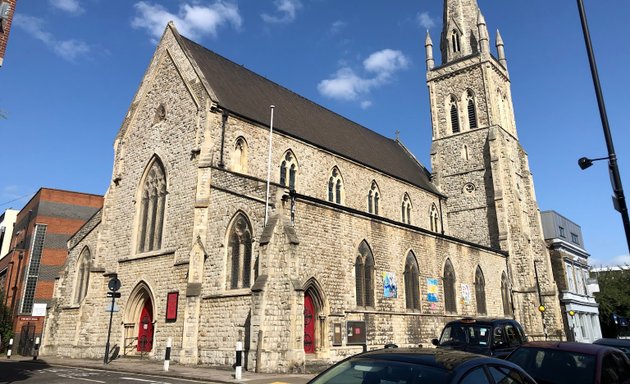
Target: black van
485	336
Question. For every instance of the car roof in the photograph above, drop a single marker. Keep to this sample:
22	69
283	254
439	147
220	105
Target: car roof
482	320
616	342
588	349
440	358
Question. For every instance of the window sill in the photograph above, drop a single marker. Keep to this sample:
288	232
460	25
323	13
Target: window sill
70	307
240	292
148	255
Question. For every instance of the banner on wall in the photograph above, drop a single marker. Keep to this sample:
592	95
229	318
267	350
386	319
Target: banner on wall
390	286
466	295
432	290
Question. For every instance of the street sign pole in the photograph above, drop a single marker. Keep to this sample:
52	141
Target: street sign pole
114	285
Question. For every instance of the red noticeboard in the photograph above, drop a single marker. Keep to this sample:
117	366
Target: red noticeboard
171	306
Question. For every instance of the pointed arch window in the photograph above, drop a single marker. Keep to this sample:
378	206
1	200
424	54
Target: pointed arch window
454	115
374	196
450	304
455	41
83	275
240	253
434	217
480	292
152	207
505	295
406	209
472	110
288	170
335	187
412	283
239	156
364	276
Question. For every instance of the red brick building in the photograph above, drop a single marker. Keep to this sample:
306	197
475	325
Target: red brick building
37	255
7	8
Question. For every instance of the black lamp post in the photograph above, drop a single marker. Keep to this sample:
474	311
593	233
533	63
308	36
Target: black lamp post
615	178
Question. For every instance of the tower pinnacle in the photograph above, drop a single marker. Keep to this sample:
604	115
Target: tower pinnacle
501	50
460	33
428	48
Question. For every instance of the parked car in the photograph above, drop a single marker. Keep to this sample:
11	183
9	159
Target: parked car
422	366
550	362
485	336
621	344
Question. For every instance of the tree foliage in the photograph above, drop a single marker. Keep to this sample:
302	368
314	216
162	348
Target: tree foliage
613	298
6	324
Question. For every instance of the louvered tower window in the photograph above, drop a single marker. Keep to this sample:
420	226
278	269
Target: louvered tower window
454	118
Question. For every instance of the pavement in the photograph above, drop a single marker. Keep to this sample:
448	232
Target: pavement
156	368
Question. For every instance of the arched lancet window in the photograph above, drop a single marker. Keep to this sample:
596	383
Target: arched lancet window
412	283
450	304
455	41
335	187
239	156
374	196
434	217
240	253
288	170
505	295
152	207
480	292
454	115
364	276
406	209
472	110
83	275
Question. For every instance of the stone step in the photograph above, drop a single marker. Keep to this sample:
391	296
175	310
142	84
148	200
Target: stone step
313	365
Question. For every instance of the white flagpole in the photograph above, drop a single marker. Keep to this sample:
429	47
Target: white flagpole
269	166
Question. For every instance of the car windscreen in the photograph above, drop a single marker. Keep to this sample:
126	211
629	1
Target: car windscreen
466	334
555	366
374	371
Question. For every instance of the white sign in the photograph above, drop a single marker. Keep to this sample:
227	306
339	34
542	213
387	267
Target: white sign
109	308
39	309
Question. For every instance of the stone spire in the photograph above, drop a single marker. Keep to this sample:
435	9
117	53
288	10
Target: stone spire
482	29
460	33
501	50
428	48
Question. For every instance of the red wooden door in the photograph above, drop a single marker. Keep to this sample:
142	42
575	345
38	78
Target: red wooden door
145	333
309	324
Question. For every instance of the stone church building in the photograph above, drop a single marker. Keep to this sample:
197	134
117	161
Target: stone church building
359	242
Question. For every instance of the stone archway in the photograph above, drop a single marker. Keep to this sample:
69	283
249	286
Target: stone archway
314	319
139	321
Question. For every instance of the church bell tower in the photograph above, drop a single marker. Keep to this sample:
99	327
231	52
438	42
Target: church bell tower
479	163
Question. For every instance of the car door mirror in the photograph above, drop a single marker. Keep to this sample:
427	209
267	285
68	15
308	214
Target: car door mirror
435	342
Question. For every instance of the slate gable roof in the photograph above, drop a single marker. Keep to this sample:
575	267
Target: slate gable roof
249	95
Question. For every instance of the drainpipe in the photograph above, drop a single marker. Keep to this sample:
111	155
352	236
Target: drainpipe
441	216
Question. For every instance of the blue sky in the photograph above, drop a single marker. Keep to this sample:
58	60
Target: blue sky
73	66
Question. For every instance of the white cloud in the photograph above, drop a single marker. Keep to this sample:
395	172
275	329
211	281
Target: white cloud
610	262
425	20
337	26
66	49
386	62
347	85
286	12
192	21
71	6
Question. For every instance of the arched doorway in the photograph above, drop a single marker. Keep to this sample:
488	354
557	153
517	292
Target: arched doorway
314	318
309	323
139	320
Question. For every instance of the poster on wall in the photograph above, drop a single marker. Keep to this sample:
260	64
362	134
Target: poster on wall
390	286
171	306
432	290
466	295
